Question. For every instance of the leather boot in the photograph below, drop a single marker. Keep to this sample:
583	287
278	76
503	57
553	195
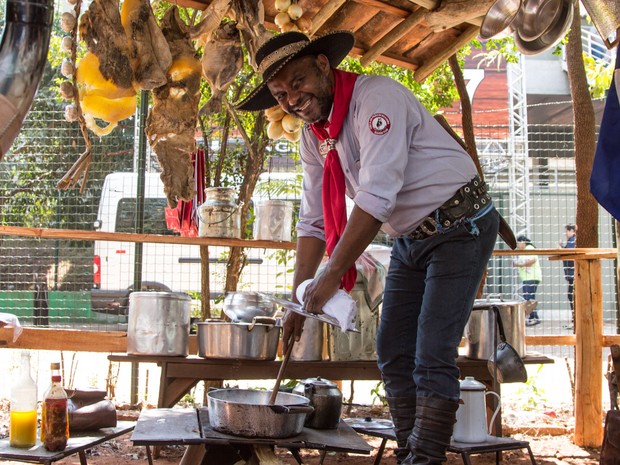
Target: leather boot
402	410
430	437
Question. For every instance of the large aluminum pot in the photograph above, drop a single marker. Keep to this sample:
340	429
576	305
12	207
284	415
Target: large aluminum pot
246	341
158	323
482	333
246	412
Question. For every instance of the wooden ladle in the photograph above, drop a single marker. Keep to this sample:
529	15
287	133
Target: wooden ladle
287	356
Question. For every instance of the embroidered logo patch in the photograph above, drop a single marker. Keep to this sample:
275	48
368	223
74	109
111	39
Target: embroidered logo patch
379	124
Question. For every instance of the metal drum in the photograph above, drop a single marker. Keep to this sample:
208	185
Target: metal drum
158	323
482	333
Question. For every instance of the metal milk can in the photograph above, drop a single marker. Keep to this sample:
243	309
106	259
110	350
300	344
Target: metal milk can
471	417
326	399
220	215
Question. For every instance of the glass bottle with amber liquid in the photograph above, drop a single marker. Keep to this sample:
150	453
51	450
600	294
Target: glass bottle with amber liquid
23	415
54	414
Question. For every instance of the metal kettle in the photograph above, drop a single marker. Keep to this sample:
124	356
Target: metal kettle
326	399
471	416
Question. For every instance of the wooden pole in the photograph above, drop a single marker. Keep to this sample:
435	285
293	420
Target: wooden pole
588	353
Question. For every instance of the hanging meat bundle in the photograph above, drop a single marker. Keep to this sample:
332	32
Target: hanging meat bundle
129	53
170	126
150	56
222	59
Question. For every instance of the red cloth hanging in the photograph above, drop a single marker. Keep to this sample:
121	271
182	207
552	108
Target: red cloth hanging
183	219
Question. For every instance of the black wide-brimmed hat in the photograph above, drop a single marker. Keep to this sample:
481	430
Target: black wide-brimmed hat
281	49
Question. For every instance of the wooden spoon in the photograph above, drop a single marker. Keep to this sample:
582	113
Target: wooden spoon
287	356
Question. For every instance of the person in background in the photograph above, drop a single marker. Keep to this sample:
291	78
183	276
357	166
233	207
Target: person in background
530	275
570	230
369	137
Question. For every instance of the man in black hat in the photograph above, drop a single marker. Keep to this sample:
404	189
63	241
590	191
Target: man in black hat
369	138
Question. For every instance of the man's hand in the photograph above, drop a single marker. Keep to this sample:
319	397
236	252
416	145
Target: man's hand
320	290
292	327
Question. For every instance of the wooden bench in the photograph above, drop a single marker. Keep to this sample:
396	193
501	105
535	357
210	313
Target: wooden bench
180	374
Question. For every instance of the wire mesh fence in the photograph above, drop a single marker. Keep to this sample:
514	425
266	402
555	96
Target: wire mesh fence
60	282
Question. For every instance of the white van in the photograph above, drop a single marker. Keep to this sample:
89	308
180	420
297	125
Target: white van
166	267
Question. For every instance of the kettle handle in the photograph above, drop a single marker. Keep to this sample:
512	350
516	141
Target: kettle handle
497	409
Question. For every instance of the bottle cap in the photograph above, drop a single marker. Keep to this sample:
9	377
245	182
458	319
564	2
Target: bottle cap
54	366
57	378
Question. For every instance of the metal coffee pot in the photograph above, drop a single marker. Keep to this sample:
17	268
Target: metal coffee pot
471	417
326	399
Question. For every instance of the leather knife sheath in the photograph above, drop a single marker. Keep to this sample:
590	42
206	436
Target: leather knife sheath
505	231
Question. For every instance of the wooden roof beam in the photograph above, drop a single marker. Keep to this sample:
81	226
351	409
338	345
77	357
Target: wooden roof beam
386	58
429	66
393	36
324	14
385	7
454	12
478	9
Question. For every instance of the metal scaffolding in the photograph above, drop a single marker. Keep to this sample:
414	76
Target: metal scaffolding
518	169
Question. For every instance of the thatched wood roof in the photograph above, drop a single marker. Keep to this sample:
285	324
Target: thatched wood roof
414	34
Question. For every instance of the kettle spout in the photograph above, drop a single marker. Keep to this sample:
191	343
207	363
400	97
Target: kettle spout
23	53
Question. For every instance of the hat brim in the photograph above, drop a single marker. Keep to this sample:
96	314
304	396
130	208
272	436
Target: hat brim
334	45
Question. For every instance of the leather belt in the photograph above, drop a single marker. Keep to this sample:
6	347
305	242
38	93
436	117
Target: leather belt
468	200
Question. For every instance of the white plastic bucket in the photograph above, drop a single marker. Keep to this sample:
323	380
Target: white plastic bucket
273	220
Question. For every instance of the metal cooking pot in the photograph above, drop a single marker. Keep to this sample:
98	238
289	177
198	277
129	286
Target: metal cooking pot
158	323
326	399
482	332
247	341
501	14
536	17
244	306
552	36
246	412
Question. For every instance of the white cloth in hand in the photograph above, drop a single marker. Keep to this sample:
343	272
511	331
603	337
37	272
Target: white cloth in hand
341	306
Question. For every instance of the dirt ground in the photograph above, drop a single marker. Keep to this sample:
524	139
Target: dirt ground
549	447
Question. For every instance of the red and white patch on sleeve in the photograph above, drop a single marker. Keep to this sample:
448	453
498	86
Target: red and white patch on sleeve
379	124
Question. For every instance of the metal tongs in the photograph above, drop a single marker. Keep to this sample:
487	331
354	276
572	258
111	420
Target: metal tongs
290	305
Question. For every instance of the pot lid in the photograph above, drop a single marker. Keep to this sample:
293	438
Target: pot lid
369	423
318	381
470	384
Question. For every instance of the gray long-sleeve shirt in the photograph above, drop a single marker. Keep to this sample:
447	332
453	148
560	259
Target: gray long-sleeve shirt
399	163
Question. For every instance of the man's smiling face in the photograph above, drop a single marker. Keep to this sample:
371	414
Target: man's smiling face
303	88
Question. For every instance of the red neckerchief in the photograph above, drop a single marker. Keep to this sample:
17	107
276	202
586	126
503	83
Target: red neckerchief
333	195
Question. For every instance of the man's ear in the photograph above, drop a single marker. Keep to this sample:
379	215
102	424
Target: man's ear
323	63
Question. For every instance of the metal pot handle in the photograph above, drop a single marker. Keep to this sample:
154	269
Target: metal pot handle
234	210
286	409
497	296
261	319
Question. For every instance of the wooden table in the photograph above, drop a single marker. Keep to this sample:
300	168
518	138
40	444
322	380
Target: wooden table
180	374
78	443
191	427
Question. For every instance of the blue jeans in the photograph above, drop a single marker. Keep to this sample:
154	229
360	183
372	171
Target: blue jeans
430	290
